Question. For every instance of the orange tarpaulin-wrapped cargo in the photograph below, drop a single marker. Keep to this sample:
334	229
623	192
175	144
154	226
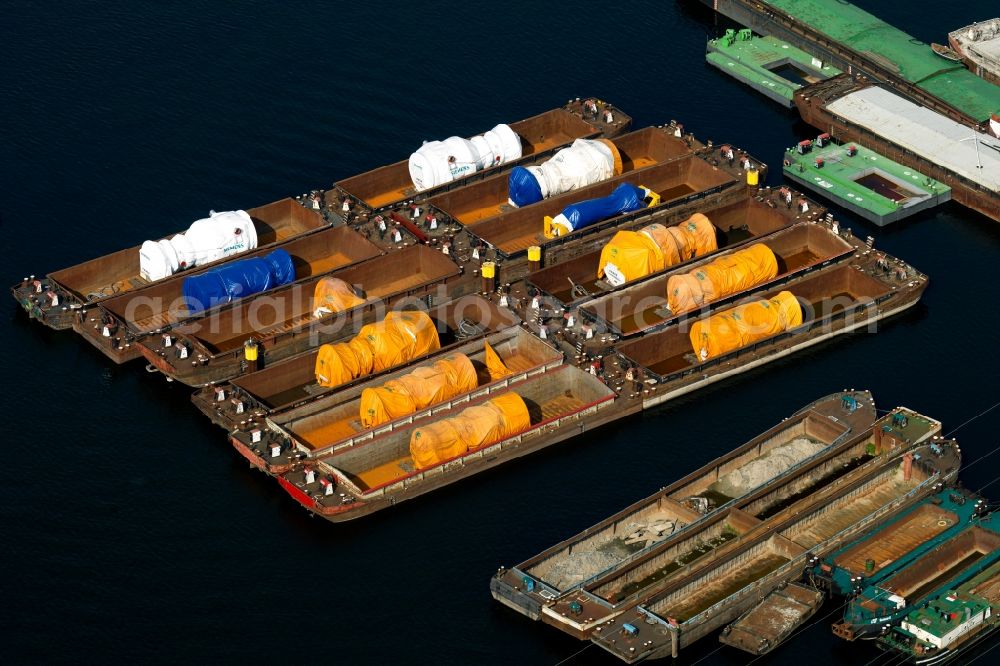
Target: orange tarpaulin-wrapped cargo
398	338
630	255
473	428
744	324
494	364
723	277
334	295
424	386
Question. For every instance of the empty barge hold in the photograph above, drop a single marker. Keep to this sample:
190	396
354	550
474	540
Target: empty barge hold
116	323
244	402
639	150
894	545
836	300
293	437
777	552
558	572
950	563
540	136
572	282
751	496
949	624
646	305
65	296
562	402
209	349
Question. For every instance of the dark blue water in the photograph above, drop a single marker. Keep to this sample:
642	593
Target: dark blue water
131	530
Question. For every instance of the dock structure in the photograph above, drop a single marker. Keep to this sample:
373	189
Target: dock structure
866	183
965	160
770	66
859	43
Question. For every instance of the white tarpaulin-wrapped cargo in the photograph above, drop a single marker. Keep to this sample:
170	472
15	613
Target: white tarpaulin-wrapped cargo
214	237
586	162
439	162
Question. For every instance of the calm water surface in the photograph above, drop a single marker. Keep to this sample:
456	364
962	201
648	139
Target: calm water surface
131	531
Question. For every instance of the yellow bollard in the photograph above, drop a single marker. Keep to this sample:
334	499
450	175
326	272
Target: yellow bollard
489	273
534	258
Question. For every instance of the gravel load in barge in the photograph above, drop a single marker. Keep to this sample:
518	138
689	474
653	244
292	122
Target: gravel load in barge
559	571
710	596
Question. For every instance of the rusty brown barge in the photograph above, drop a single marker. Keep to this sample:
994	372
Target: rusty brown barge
63	299
360	475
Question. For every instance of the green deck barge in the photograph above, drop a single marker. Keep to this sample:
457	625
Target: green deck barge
866	183
858	42
768	65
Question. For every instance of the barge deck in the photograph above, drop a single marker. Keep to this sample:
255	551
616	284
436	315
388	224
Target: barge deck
770	66
866	183
765	626
570	283
327	425
245	402
387	186
117	323
859	43
754	509
965	160
209	349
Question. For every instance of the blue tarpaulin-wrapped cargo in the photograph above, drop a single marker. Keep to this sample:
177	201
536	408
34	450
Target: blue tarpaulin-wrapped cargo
522	187
624	199
238	280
